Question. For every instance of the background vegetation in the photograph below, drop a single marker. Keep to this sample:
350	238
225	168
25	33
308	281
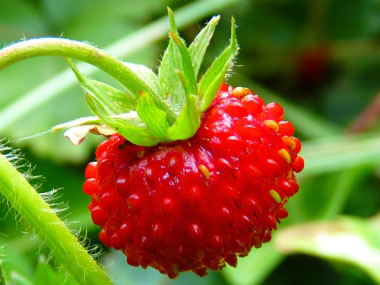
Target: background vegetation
319	58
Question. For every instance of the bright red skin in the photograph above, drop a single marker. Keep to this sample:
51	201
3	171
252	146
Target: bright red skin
160	207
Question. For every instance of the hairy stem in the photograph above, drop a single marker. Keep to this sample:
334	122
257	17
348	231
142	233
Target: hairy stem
60	47
45	223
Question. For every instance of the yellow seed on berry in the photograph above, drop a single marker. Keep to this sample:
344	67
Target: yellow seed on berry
205	171
275	195
272	125
240	92
285	155
289	142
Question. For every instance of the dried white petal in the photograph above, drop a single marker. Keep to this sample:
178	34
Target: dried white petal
76	135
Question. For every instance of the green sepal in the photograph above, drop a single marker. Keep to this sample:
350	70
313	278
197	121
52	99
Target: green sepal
171	85
133	130
187	122
115	100
147	81
216	73
171	62
143	79
118	101
114	113
172	22
161	108
198	47
187	66
185	83
136	134
153	116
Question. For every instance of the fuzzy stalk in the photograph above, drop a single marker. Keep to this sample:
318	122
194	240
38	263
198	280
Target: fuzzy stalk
52	231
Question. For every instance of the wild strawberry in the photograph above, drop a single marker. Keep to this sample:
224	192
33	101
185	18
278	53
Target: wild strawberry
196	204
193	175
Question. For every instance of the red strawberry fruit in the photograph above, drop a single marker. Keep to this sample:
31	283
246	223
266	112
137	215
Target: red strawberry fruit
193	174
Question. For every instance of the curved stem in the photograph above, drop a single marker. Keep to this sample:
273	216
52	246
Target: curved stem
60	47
45	223
81	51
134	42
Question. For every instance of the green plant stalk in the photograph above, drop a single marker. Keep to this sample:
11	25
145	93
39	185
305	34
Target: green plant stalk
78	50
126	46
45	223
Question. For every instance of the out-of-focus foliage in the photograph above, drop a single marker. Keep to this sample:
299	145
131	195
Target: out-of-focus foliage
320	59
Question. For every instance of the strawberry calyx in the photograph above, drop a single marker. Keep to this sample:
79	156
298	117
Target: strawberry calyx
156	108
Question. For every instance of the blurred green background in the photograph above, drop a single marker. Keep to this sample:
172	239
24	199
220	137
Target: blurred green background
319	58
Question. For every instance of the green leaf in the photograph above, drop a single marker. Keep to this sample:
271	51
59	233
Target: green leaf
152	116
340	152
46	275
18	279
347	239
13	258
216	73
198	47
21	19
187	122
334	190
339	190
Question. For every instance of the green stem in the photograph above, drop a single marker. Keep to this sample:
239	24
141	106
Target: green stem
125	46
78	50
46	224
61	47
